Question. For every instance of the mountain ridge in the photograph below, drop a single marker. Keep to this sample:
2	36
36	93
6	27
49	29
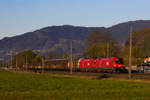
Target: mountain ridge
57	38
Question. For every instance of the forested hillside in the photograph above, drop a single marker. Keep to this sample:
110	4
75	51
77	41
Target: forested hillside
57	38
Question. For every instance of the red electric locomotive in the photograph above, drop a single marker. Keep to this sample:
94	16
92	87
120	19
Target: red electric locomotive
113	64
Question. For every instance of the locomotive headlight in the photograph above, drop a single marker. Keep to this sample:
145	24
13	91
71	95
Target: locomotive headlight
145	61
114	65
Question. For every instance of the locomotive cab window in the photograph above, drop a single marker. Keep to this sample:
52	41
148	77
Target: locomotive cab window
94	61
119	61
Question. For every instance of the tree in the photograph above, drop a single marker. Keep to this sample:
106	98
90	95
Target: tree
92	51
65	55
101	44
37	59
135	55
25	57
141	46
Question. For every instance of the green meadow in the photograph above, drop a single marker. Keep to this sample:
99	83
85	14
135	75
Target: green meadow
20	86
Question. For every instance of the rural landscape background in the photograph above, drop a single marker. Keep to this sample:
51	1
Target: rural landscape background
54	41
43	42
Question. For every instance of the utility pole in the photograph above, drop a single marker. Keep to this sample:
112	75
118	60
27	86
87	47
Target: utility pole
15	59
144	46
11	54
26	61
3	62
130	52
42	53
71	64
16	62
107	54
42	64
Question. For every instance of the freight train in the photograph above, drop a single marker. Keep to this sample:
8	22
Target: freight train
92	65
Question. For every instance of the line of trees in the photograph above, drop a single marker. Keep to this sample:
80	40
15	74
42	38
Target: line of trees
26	57
102	44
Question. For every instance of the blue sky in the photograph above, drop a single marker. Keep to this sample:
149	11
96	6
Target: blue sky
20	16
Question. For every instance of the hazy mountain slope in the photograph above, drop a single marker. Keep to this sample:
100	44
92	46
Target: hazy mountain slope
141	43
121	31
57	38
49	39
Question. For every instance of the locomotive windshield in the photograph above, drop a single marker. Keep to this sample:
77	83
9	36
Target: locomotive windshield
119	61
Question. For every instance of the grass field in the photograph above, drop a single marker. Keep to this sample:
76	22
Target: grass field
16	86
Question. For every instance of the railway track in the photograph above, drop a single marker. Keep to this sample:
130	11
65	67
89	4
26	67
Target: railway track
145	76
